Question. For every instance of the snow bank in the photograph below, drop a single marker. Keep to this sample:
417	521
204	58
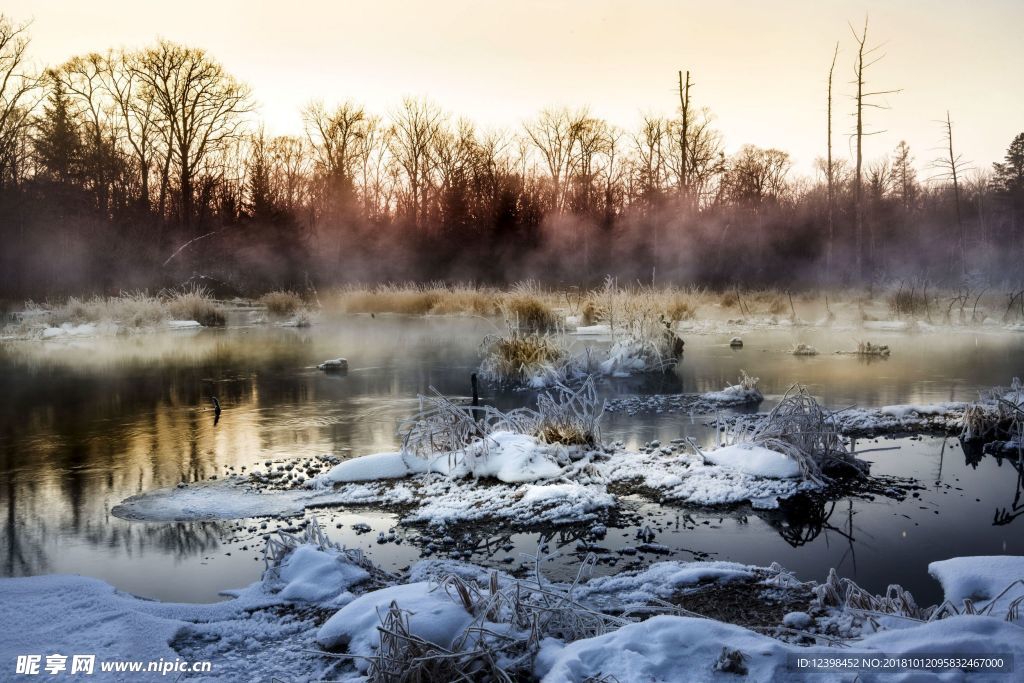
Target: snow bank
755	460
669	648
432	616
658	581
980	579
73	614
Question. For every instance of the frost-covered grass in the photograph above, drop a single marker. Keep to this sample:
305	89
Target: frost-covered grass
534	359
802	429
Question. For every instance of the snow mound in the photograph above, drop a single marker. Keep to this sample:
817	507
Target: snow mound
505	456
756	460
980	579
432	616
734	395
311	574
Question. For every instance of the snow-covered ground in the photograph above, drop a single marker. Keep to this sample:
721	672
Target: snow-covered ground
317	612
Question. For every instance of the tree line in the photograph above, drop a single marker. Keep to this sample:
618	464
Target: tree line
148	168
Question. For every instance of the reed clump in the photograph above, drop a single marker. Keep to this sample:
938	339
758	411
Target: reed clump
282	303
195	303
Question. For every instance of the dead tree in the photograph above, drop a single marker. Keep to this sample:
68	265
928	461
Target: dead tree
684	109
830	171
866	57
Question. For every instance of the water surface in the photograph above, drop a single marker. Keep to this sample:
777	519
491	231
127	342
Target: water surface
86	423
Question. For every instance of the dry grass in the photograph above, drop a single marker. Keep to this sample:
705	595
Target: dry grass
194	303
418	299
133	309
526	308
282	303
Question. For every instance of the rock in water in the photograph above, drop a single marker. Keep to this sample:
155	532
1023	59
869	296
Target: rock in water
334	365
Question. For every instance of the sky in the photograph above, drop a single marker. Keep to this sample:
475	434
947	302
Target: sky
761	67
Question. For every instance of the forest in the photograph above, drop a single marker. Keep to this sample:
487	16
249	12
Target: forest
149	168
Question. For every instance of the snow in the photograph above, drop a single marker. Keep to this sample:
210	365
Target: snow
658	581
309	574
334	364
797	620
258	635
625	358
755	460
432	616
941	417
73	614
70	330
685	478
887	325
915	409
980	579
530	482
736	394
505	456
513	458
183	324
368	468
590	330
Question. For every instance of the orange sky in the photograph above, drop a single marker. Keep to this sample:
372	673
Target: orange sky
760	66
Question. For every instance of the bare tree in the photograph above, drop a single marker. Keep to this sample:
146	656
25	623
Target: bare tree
18	96
201	107
139	127
555	133
413	129
952	167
